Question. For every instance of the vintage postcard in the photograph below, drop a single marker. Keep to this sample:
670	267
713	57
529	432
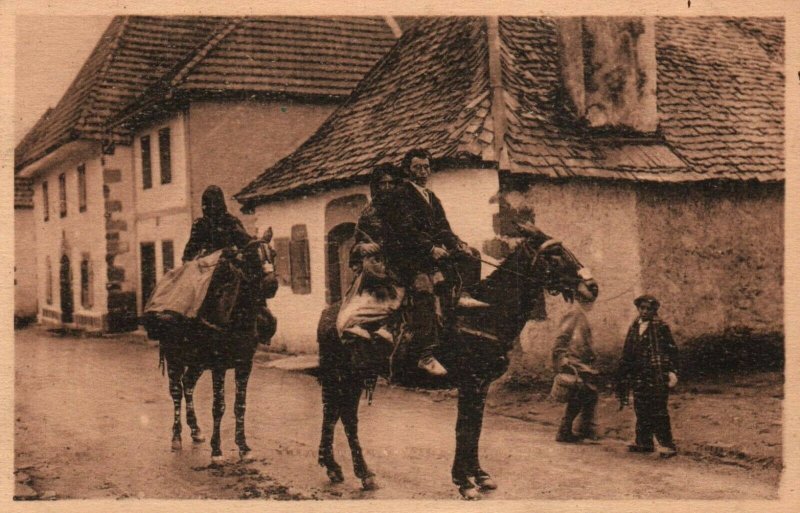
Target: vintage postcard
461	254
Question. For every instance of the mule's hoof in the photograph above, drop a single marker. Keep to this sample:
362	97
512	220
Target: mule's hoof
216	460
176	445
486	483
243	454
368	484
470	493
198	437
335	475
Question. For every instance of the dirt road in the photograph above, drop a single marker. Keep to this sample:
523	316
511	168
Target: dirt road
93	420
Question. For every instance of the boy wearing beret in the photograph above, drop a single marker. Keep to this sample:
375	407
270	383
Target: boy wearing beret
649	368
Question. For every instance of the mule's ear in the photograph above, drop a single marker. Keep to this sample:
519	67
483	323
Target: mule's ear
528	228
267	237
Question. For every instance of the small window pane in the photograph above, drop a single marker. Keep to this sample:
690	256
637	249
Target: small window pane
45	201
82	188
164	155
167	255
62	194
147	168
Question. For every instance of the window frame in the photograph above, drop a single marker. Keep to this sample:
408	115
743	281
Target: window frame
62	195
164	244
82	199
165	157
146	159
46	201
300	260
87	282
48	293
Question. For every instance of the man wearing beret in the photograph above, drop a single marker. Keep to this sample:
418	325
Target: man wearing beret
649	369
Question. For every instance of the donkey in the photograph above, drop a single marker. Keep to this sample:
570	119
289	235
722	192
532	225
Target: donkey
225	335
475	355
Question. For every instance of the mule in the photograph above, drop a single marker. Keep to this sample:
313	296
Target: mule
475	355
226	334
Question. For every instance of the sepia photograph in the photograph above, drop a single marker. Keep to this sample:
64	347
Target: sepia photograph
377	257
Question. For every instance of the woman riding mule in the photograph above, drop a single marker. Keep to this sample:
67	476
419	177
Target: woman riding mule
477	355
230	323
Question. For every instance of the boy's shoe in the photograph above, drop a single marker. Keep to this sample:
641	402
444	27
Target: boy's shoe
432	366
567	438
668	452
640	448
591	436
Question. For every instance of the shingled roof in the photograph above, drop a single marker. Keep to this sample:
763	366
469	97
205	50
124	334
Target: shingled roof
143	61
131	55
720	103
322	58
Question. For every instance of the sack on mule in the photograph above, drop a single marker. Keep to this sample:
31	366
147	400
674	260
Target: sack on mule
182	290
362	307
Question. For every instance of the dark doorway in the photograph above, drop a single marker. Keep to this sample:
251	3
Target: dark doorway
67	307
148	270
339	276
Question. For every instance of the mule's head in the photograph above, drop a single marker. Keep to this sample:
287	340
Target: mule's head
555	268
259	263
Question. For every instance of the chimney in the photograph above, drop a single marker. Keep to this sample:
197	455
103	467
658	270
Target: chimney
608	69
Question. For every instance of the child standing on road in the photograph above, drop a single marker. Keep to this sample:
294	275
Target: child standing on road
573	352
649	368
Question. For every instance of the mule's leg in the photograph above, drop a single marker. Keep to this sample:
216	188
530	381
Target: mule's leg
218	381
240	405
482	478
351	397
190	378
175	373
331	411
471	401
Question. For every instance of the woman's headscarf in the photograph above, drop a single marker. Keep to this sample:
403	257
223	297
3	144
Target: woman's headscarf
213	202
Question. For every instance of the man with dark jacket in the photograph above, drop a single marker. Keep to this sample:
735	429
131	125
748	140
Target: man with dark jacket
217	229
420	238
649	367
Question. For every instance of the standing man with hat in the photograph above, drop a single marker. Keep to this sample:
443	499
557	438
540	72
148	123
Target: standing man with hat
649	369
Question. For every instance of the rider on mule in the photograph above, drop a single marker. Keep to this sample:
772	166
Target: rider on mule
421	242
217	229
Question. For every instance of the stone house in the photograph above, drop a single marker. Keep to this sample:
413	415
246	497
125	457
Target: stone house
161	108
653	150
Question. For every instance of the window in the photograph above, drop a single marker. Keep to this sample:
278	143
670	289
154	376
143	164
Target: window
87	296
164	155
45	201
167	255
82	188
299	260
147	167
48	281
62	194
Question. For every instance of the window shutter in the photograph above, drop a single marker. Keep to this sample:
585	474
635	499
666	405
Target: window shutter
282	264
299	255
164	155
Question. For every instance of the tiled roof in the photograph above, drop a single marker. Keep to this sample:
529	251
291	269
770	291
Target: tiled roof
720	103
131	55
23	192
296	56
720	98
431	90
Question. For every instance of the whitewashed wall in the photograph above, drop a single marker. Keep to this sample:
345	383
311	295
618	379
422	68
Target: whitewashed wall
465	194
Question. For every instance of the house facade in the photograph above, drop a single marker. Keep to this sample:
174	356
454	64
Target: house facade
161	109
25	305
650	150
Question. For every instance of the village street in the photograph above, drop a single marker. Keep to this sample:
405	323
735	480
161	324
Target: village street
93	420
